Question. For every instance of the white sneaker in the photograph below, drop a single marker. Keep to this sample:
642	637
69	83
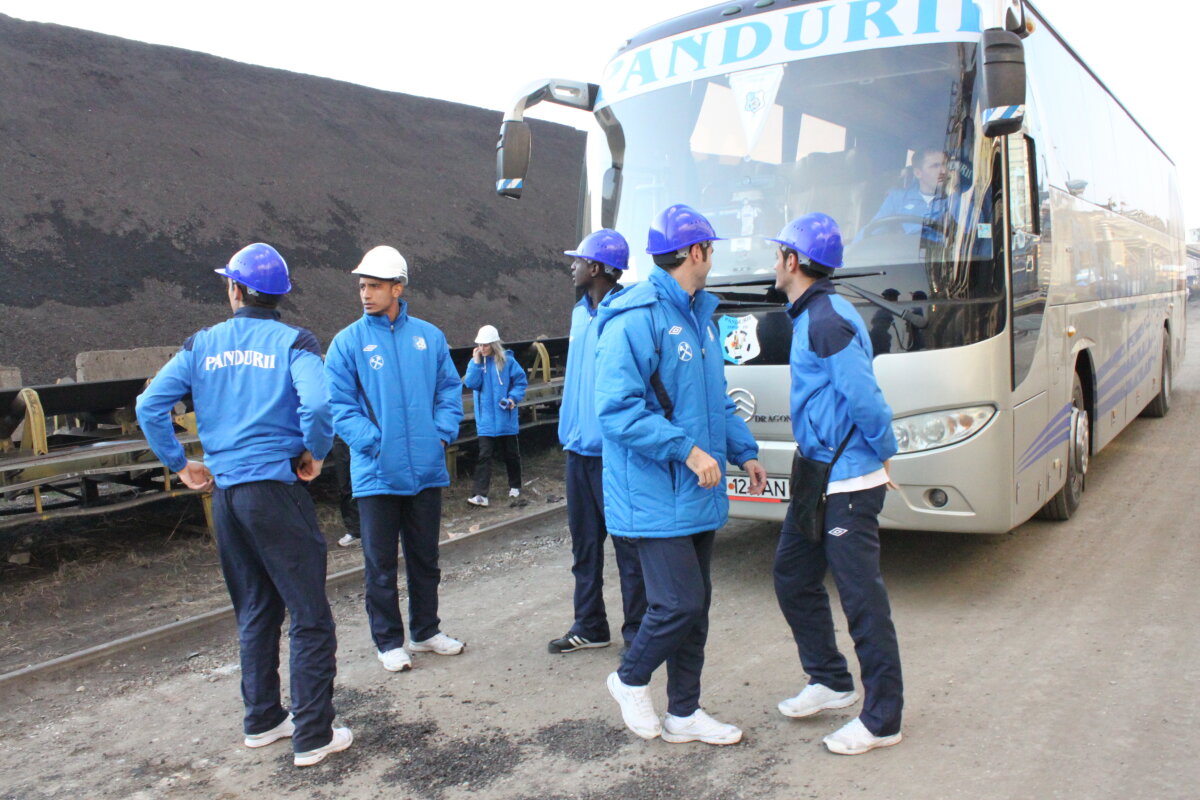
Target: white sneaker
348	541
854	739
637	709
814	699
514	492
478	500
342	739
699	727
281	731
439	643
395	660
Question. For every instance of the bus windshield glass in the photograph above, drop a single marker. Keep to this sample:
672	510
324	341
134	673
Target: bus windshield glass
882	140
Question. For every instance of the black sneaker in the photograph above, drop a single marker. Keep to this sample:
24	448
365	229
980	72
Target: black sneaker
571	643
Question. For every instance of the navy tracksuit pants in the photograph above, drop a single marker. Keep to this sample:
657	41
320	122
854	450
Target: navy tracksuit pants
585	517
273	558
675	627
853	557
414	522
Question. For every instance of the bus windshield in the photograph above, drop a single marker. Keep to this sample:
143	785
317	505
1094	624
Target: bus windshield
882	140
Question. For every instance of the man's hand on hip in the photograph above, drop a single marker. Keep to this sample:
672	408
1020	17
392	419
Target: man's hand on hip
309	468
196	476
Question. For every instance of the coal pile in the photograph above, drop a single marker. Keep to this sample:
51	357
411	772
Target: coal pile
132	170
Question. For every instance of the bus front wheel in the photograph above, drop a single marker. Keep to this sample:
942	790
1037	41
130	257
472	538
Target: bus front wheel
1063	504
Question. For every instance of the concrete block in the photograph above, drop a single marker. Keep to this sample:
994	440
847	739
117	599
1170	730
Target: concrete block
10	378
112	365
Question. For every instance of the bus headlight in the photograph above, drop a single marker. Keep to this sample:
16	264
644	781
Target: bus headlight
940	428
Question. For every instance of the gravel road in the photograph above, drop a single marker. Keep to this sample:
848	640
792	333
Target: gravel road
1059	661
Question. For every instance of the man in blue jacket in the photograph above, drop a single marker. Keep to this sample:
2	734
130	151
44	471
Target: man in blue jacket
498	383
923	203
835	399
598	263
397	403
668	430
262	413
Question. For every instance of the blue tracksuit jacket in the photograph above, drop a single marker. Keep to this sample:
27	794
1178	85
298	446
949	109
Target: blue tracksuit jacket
833	385
259	394
648	489
578	425
412	403
491	385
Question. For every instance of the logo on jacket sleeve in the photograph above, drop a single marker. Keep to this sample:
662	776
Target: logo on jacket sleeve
685	351
838	531
419	343
376	362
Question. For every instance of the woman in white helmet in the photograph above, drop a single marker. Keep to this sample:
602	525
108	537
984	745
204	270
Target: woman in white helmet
499	383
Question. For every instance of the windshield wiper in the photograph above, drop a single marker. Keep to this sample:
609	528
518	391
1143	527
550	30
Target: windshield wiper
764	303
910	316
841	274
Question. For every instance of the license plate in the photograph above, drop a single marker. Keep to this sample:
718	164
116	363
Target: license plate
777	490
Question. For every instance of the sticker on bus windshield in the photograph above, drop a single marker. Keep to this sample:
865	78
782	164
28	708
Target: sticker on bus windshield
739	338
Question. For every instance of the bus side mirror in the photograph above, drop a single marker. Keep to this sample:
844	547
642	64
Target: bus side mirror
512	158
1003	82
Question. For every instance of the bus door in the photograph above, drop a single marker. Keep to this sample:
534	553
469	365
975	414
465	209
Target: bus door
1035	427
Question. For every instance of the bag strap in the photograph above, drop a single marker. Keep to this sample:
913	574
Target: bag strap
845	442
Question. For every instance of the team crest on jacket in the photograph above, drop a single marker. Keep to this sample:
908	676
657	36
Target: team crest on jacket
685	351
419	342
376	362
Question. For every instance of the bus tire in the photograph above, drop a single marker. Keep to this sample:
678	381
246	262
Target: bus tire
1161	403
1079	448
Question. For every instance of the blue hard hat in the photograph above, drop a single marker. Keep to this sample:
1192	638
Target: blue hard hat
815	236
259	267
677	227
606	246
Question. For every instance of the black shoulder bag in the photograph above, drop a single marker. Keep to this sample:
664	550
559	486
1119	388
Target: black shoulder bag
810	484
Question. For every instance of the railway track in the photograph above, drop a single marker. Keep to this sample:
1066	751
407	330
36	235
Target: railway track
191	625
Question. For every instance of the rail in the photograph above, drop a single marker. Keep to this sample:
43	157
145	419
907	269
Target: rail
73	449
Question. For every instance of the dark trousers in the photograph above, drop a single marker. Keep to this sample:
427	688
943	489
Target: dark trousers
675	627
853	556
585	517
508	448
391	521
273	558
346	502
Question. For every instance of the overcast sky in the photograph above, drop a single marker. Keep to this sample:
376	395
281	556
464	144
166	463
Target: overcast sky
481	52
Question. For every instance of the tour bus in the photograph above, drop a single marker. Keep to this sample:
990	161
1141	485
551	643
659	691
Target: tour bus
1013	237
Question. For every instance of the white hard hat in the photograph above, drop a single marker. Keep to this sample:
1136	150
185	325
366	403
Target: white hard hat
487	334
383	262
